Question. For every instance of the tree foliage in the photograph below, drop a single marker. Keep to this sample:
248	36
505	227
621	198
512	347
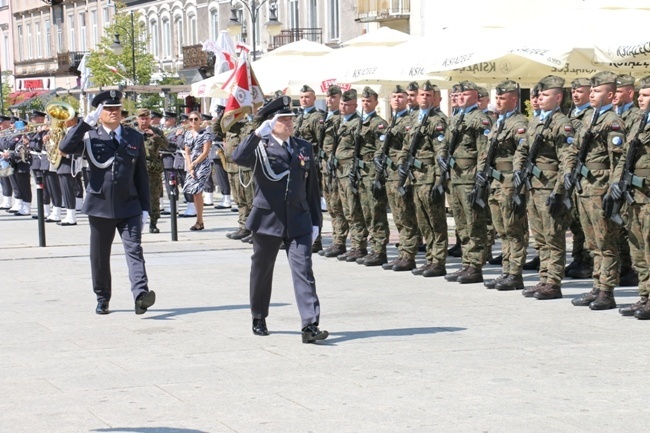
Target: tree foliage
135	37
6	90
154	101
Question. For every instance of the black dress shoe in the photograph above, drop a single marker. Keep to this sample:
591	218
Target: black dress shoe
66	223
311	333
144	301
153	229
533	265
102	307
498	260
259	327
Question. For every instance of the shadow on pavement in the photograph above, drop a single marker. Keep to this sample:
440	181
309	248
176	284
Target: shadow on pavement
173	312
149	430
339	337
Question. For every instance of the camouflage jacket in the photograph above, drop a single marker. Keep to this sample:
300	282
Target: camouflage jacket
153	144
432	144
473	140
555	156
631	116
234	137
372	129
307	126
641	163
397	134
578	119
603	152
331	127
345	149
512	136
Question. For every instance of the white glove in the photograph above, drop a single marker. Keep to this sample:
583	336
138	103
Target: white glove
92	117
266	127
314	233
145	217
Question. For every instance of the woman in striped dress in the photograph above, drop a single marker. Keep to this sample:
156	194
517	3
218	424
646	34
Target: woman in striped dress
197	150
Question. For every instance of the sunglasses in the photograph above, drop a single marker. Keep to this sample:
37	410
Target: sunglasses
194	118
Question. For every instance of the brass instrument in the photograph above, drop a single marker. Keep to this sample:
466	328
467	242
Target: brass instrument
59	112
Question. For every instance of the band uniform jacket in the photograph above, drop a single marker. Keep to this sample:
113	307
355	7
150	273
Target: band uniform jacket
121	190
290	207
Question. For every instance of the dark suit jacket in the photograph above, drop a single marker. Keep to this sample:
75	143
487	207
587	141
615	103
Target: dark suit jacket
120	190
272	213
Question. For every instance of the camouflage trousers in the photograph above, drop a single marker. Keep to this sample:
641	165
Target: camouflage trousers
471	225
403	210
638	228
512	227
578	252
432	222
155	191
242	195
601	238
374	213
340	227
549	232
353	214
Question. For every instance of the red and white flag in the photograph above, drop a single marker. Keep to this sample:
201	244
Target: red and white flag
245	93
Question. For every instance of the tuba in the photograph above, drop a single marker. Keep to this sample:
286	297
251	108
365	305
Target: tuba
59	112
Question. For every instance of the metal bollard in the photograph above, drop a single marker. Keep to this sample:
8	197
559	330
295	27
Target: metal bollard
173	197
41	211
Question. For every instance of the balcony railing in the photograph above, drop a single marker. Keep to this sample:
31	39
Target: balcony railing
292	35
195	57
382	10
69	62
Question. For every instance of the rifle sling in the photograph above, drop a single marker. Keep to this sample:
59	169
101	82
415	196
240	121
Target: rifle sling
597	165
549	167
642	172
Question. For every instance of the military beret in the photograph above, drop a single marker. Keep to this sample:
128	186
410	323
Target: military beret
580	82
36	113
399	89
534	92
276	94
428	87
644	83
455	88
349	95
110	98
206	117
624	80
603	77
170	114
506	86
156	114
143	112
550	82
280	106
333	90
306	88
482	92
368	92
125	113
5	118
413	86
15	119
184	117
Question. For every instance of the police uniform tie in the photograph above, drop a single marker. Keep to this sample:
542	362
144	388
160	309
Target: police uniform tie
286	147
112	134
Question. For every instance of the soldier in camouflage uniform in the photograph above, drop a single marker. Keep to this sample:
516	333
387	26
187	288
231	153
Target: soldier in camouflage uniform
603	152
509	221
547	216
154	142
240	178
350	127
373	206
412	97
428	191
330	126
454	94
401	206
638	213
583	264
624	105
307	125
471	223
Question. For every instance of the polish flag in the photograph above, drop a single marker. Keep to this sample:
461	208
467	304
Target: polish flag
245	93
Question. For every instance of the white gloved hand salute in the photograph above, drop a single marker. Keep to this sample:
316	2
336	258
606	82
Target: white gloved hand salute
314	233
92	117
265	129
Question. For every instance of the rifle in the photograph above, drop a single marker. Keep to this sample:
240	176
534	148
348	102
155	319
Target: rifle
411	162
357	163
628	179
530	169
580	170
380	176
479	193
333	162
451	148
321	138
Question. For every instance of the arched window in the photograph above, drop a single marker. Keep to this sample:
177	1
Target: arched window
166	38
214	24
179	35
153	31
193	35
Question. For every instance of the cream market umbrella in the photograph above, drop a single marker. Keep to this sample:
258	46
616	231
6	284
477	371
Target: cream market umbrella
381	37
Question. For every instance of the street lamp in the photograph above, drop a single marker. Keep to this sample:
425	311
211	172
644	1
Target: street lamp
273	26
118	48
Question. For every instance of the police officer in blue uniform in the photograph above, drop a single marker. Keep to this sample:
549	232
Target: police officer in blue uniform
117	196
286	210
